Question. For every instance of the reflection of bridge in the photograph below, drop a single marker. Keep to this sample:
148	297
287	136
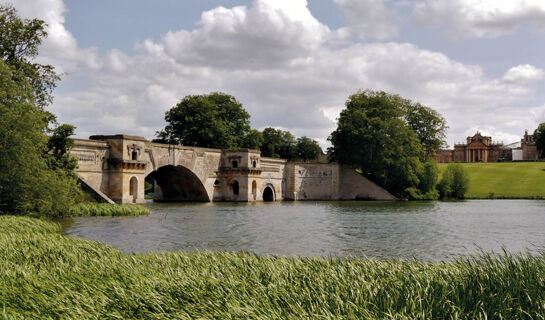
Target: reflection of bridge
118	166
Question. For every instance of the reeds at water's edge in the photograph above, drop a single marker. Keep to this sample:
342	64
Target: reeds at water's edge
107	209
46	275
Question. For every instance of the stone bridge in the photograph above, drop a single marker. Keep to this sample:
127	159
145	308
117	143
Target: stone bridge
118	166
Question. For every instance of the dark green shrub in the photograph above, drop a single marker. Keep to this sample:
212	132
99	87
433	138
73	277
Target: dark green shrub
454	183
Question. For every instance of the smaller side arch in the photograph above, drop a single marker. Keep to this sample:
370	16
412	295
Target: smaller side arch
268	193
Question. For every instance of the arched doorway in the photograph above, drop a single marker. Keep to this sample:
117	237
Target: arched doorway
133	189
268	194
254	190
178	184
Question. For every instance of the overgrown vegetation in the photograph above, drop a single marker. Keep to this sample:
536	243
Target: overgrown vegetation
390	139
539	136
454	182
36	172
46	275
107	209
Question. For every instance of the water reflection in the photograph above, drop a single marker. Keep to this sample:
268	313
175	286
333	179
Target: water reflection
421	230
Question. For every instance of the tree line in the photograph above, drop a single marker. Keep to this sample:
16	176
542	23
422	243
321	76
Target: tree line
218	120
389	139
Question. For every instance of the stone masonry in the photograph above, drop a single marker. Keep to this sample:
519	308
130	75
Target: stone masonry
118	165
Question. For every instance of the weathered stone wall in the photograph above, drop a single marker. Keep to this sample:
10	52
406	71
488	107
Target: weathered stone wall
92	157
312	181
355	186
330	181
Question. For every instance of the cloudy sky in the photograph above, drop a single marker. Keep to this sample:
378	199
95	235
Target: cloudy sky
293	63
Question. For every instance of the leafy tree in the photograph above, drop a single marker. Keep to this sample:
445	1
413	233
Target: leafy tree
288	148
19	41
428	125
278	144
253	140
272	141
28	185
308	149
35	176
454	182
373	135
59	145
539	136
216	120
430	175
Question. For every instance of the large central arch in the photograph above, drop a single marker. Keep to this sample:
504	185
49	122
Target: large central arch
178	184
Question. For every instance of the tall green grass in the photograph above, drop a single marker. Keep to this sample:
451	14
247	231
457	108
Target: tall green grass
107	209
44	275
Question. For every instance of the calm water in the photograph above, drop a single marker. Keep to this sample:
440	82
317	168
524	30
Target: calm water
422	230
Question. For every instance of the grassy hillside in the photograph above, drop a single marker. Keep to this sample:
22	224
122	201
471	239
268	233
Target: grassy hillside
44	275
505	179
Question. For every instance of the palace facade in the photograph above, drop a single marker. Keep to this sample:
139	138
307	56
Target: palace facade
479	148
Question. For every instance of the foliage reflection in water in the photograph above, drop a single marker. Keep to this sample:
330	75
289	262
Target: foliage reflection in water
422	230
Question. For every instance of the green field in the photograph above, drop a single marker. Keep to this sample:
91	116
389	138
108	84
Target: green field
44	275
525	180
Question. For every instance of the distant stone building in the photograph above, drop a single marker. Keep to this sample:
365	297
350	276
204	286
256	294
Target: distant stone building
528	146
527	150
445	156
479	148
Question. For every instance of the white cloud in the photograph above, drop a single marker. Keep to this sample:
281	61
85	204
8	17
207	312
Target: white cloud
60	48
368	19
282	64
480	18
524	73
270	33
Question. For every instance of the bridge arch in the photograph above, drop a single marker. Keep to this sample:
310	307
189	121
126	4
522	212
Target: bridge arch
178	184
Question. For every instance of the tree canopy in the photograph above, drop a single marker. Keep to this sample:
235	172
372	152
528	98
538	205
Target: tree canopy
218	120
36	176
539	137
215	120
253	140
19	41
278	144
388	138
283	144
428	125
308	149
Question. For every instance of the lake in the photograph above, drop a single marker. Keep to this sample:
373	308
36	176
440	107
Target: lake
429	231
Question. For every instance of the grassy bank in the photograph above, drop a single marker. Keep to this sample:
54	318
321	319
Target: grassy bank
107	209
505	180
46	275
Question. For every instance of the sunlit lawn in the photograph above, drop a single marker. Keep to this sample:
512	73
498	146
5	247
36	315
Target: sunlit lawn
505	179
